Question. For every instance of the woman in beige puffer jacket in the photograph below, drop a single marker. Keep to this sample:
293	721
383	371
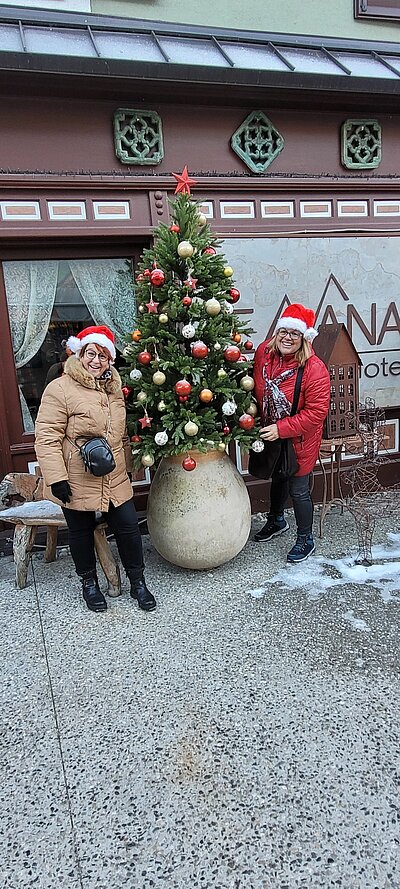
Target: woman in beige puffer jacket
86	402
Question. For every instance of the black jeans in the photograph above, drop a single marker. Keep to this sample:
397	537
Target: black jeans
298	486
122	521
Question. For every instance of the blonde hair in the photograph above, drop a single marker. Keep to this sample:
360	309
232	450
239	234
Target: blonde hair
303	352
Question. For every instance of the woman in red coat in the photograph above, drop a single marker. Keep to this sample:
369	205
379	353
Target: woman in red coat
275	367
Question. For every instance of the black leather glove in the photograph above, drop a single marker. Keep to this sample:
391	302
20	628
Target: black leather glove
62	491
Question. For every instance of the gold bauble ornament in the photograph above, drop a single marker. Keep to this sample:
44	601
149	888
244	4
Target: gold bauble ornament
212	307
221	446
163	318
185	249
159	378
228	271
190	428
141	396
161	406
247	383
252	409
206	396
136	335
202	219
222	373
147	460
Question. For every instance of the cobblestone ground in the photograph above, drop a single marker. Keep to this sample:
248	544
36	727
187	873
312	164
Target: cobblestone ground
245	735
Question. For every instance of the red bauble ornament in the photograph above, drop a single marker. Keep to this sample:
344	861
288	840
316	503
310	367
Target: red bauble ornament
226	430
187	301
183	398
144	358
234	294
146	273
249	345
246	421
182	387
199	350
232	353
157	277
209	251
189	464
174	228
126	390
136	438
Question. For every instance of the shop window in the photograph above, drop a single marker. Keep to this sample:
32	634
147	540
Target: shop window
50	300
377	9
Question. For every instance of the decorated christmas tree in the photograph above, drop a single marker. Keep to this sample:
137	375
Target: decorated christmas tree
187	380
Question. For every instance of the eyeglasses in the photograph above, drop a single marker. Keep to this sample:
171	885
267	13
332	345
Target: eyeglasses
91	355
293	334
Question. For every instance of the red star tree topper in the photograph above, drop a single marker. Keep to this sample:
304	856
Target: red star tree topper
185	183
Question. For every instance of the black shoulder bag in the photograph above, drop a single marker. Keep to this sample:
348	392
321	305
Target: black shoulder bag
278	458
97	456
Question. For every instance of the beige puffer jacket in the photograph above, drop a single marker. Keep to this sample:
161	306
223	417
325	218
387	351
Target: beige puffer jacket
74	405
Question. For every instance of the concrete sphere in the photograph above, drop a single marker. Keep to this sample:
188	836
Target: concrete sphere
198	519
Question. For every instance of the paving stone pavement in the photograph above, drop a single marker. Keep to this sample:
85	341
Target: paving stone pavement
245	735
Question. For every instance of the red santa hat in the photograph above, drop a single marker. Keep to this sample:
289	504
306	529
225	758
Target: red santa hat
297	317
101	336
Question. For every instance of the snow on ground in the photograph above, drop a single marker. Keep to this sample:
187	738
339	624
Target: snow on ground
320	574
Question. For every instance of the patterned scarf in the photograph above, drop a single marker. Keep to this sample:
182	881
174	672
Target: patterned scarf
275	403
105	376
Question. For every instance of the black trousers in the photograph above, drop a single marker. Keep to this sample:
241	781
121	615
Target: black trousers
122	521
299	489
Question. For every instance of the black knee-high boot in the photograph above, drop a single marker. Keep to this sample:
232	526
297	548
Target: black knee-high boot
139	591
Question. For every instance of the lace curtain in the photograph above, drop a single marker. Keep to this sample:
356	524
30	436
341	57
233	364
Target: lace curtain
31	290
106	286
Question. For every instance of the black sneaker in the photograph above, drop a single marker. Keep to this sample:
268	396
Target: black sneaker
273	528
302	549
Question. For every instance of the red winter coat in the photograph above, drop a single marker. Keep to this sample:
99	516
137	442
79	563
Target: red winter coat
305	428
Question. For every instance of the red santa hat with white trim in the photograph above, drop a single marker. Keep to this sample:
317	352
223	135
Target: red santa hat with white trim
297	317
101	336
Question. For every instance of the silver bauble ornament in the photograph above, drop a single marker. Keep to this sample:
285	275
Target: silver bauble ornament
159	378
228	408
188	331
161	406
190	428
141	396
222	373
257	446
135	374
227	307
217	347
161	438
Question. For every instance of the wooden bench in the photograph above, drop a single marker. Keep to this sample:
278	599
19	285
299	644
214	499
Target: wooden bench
34	513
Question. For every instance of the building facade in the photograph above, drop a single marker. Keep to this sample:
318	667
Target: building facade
292	137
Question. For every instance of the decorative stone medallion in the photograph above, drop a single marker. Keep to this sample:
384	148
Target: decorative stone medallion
138	137
257	142
361	144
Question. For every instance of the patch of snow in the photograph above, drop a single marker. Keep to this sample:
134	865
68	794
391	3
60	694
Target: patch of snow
356	622
40	508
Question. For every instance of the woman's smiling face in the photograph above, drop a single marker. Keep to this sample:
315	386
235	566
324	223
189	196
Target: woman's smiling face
95	359
288	341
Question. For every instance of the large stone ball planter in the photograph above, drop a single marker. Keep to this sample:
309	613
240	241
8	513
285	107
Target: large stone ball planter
199	519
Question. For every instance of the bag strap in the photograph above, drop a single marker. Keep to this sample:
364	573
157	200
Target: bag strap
296	394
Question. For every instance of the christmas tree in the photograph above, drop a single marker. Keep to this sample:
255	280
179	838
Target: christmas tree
187	382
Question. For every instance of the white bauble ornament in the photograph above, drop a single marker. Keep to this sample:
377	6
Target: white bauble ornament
252	409
190	428
247	383
159	378
227	307
147	460
161	406
212	306
185	249
229	408
163	318
161	438
188	331
141	396
202	219
222	373
135	374
257	446
217	347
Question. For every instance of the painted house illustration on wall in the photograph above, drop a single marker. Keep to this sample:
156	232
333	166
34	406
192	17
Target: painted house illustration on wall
336	349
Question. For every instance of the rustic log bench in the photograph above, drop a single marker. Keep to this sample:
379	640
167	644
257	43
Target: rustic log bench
35	513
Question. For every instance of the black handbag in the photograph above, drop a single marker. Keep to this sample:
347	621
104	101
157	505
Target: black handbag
278	457
97	456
